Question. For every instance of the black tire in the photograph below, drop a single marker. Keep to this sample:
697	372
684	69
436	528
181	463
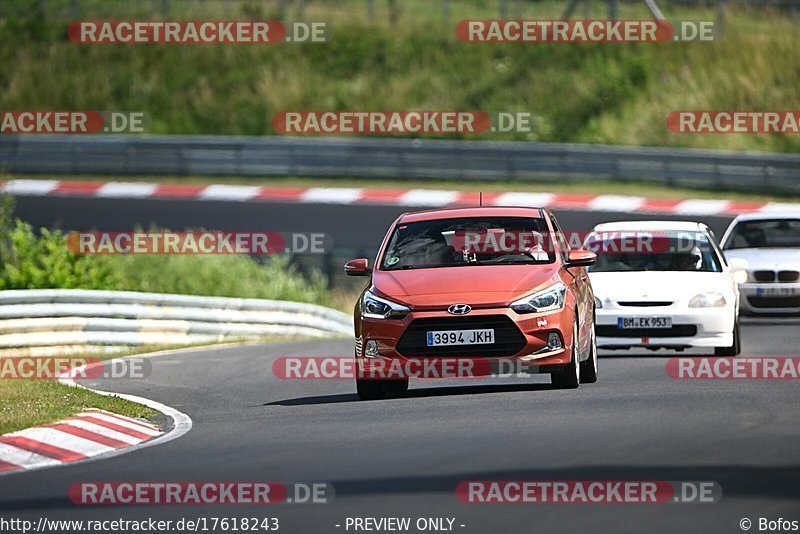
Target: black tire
371	389
398	386
589	367
736	348
570	377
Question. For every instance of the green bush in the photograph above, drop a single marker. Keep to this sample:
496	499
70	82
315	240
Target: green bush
31	260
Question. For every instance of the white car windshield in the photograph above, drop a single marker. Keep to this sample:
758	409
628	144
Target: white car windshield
653	251
765	233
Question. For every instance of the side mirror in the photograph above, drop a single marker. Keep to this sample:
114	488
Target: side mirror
581	258
359	267
738	267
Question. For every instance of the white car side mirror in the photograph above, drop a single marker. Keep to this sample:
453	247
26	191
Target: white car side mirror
738	267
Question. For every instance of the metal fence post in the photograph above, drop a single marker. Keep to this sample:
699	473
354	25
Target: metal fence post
371	10
721	16
613	10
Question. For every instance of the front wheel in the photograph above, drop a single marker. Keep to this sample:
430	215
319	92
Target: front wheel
589	367
734	349
570	377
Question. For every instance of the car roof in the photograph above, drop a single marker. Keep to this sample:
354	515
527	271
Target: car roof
768	215
476	211
632	226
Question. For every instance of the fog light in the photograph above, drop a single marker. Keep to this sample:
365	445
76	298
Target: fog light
553	341
371	349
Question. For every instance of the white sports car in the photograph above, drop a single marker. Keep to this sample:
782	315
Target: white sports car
770	243
664	284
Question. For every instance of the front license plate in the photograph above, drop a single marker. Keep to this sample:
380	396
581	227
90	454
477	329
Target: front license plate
439	338
644	322
776	292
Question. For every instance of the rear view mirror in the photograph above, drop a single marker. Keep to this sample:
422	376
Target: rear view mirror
359	267
581	258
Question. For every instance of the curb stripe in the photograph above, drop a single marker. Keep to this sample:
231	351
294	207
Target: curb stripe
470	198
91	433
5	466
42	448
239	193
101	430
127	189
389	197
122	418
702	207
77	187
30	187
91	436
382	196
660	205
331	195
573	201
176	190
281	193
428	197
525	199
119	428
25	459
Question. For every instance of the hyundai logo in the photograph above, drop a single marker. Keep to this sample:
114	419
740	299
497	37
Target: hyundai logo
459	309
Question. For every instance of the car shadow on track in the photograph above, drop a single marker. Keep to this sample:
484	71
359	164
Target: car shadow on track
415	393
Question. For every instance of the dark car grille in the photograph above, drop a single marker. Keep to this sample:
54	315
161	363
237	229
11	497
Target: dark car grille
774	302
764	276
780	276
644	304
508	340
678	330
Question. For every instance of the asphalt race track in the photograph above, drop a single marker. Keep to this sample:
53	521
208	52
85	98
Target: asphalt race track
354	226
404	456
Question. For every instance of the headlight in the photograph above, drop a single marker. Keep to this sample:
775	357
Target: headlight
707	300
598	304
375	307
550	299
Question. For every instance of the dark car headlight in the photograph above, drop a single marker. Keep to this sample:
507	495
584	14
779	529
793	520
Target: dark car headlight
375	307
549	299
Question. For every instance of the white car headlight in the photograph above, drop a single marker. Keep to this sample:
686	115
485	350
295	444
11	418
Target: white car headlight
708	300
598	304
375	307
548	299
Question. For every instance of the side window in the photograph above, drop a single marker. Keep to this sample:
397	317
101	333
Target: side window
562	241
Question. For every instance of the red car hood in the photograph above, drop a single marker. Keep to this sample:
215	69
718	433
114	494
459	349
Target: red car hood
478	286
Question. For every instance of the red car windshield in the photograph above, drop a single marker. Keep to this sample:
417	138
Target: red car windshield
464	242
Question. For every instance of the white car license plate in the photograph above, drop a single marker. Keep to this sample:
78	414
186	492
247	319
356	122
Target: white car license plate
776	292
644	322
439	338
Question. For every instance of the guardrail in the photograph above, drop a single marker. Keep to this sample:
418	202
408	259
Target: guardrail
395	159
47	321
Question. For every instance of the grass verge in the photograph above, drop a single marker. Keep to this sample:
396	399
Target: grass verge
27	403
615	93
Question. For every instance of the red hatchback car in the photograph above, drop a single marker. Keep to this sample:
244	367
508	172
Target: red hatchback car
482	282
